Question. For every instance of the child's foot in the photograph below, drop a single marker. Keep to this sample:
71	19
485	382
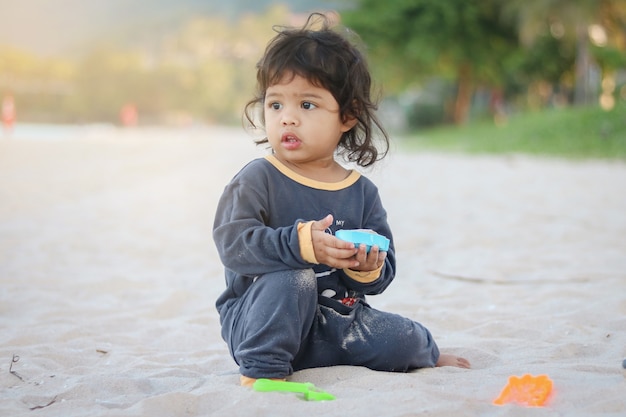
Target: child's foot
246	381
452	360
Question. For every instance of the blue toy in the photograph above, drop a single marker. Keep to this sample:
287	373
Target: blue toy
368	238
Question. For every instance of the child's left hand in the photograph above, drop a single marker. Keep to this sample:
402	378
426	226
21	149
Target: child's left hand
369	261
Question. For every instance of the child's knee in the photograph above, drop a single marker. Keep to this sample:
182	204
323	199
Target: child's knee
296	281
305	280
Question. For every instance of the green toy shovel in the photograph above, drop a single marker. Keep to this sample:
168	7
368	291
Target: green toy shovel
310	392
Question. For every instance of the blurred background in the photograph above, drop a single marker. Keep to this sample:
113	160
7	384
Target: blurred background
438	63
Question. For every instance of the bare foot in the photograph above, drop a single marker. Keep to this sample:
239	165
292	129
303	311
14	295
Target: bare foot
451	360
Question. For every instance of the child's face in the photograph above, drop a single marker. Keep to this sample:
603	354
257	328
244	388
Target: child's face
302	121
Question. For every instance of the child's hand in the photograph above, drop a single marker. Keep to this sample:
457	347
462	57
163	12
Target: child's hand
369	261
331	251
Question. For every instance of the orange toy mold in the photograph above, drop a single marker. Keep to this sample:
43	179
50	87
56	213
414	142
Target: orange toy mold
528	390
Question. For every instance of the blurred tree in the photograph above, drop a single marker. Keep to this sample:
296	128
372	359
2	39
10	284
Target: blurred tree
584	23
464	40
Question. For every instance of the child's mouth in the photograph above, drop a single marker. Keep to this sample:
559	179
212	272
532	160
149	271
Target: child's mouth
290	141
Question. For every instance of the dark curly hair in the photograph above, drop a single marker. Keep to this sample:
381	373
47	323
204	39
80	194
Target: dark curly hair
327	59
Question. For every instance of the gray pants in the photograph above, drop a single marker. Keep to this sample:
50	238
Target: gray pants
281	325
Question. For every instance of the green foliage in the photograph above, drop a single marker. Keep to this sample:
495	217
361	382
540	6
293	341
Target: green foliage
587	132
609	58
566	25
548	59
521	47
413	39
461	40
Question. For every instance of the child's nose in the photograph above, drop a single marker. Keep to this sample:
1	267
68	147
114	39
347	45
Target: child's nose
289	117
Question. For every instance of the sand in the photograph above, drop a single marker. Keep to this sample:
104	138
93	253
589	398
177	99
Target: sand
109	275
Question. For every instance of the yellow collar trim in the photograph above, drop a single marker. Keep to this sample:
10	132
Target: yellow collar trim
320	185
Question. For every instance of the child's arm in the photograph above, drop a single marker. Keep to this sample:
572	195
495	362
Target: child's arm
248	246
245	243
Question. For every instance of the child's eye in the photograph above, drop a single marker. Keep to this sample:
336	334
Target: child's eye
275	106
307	105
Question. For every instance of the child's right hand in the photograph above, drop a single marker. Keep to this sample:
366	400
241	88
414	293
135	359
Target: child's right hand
328	249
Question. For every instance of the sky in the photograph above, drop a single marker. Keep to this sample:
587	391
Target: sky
50	27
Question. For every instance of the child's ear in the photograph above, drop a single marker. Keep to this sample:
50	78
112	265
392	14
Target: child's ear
349	121
350	118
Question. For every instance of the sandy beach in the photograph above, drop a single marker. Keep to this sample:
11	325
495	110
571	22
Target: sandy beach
109	276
